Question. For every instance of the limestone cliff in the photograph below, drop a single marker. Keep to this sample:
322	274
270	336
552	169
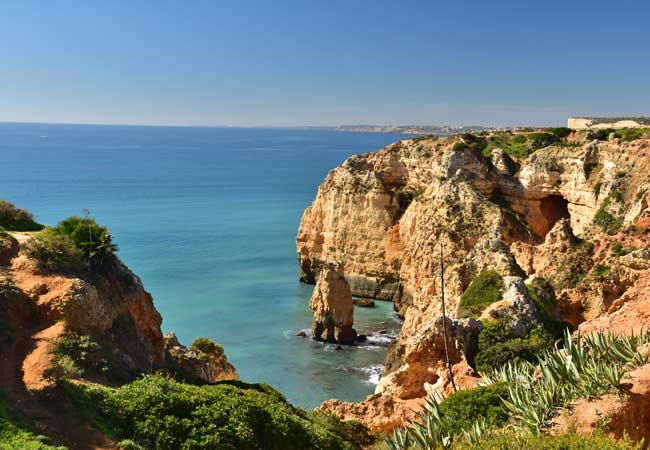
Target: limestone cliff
331	304
568	207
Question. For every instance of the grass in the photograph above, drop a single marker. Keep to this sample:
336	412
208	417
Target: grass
485	289
15	433
161	413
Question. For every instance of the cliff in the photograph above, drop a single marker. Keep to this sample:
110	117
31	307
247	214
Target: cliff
568	209
86	326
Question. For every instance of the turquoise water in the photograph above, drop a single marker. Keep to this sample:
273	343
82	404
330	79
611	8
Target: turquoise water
207	218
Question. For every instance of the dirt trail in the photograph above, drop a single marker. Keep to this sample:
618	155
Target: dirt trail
24	362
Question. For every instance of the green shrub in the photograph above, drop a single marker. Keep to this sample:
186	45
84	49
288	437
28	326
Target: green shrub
631	134
509	440
497	346
17	219
206	347
93	240
542	139
601	270
561	132
470	141
619	250
163	414
461	409
543	295
15	433
484	290
606	220
53	252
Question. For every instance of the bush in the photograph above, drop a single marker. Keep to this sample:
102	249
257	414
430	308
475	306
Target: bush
526	441
53	252
17	219
461	409
542	139
561	132
631	134
497	346
157	412
206	347
484	290
93	240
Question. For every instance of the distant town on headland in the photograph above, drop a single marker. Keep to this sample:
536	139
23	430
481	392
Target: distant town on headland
576	123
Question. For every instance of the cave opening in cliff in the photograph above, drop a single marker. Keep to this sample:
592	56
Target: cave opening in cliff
554	208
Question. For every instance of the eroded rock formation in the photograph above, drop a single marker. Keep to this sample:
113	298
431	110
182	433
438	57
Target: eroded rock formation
573	212
332	307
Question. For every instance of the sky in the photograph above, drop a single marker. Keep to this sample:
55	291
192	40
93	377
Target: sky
323	62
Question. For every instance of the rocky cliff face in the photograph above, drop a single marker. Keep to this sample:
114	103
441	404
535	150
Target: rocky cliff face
331	304
572	210
109	308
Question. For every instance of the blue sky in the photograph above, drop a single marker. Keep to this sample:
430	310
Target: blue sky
280	63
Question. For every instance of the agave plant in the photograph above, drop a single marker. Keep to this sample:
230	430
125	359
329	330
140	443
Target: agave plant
575	368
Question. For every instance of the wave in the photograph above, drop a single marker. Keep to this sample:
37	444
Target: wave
374	372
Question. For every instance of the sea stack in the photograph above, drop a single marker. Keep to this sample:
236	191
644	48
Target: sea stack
331	304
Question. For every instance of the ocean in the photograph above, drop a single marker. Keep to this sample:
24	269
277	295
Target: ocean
207	217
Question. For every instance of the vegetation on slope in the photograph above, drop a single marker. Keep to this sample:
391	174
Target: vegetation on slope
484	290
15	433
74	245
583	368
160	413
17	219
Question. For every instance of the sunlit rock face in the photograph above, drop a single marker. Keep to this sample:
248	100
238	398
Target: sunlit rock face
391	217
332	307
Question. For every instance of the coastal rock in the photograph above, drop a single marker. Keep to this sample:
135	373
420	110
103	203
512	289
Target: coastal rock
363	303
210	367
332	307
567	214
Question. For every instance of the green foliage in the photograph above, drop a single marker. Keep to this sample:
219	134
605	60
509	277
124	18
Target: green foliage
206	347
17	219
606	220
561	132
497	345
54	252
526	441
349	430
163	414
484	290
461	409
440	424
631	134
583	368
619	250
597	188
15	433
601	270
542	139
470	141
93	240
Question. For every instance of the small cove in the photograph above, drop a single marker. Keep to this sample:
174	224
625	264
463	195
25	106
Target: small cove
207	218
